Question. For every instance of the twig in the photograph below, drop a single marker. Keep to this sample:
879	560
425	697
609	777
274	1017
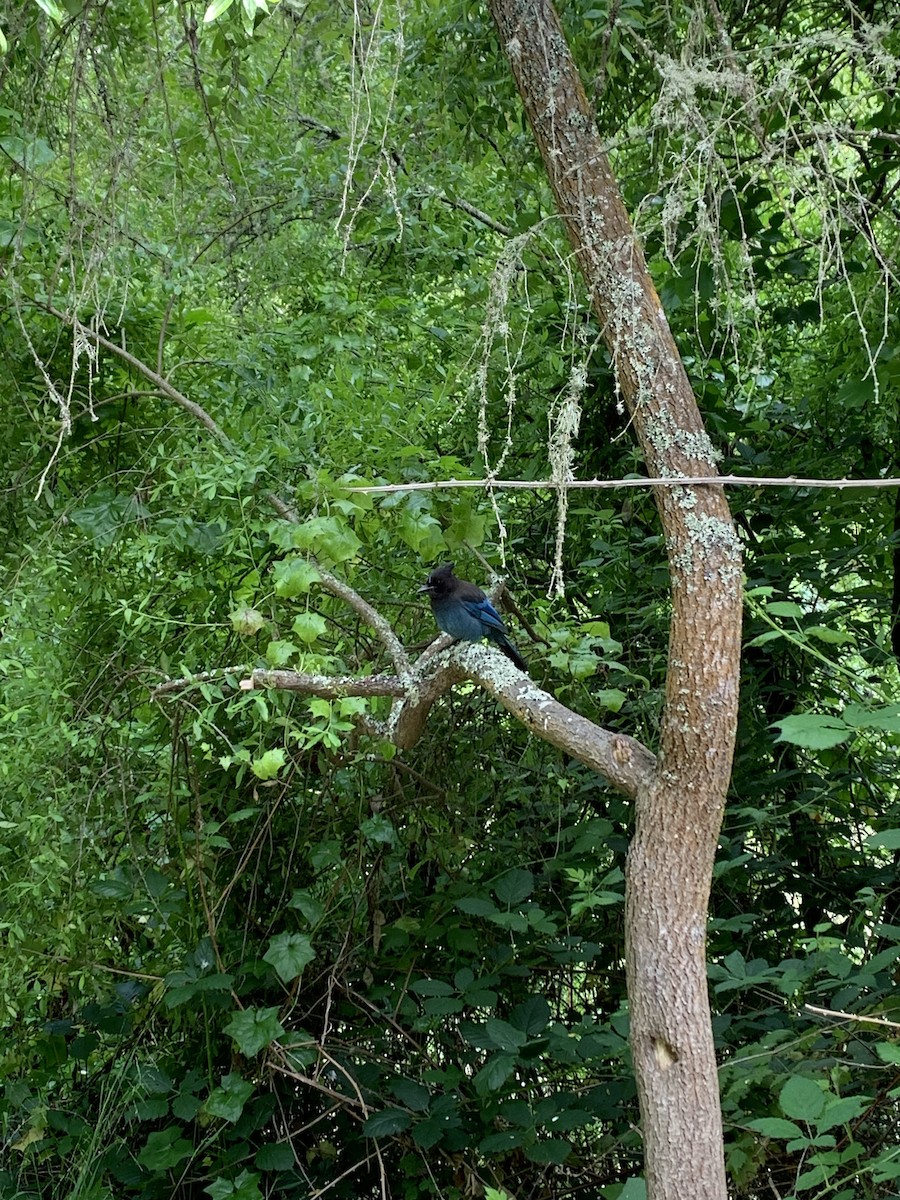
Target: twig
635	482
372	618
93	335
466	207
848	1016
180	685
331	687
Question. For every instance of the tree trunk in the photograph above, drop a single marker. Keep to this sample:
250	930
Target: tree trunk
678	815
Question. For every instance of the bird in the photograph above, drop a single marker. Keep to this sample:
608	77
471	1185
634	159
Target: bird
464	611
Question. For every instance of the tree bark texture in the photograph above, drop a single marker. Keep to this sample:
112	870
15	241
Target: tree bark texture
678	813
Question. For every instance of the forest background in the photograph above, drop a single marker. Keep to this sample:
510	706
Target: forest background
249	950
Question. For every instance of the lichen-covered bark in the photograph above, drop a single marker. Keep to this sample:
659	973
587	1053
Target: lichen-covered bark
623	761
679	813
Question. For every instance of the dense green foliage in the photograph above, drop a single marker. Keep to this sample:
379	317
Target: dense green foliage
248	951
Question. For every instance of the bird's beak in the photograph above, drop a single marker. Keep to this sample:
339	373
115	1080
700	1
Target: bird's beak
426	587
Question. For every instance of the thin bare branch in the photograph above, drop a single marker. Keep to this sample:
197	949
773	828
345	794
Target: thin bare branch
372	618
472	211
163	385
331	687
848	1016
538	485
218	676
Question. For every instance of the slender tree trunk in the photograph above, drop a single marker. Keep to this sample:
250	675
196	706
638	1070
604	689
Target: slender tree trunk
679	814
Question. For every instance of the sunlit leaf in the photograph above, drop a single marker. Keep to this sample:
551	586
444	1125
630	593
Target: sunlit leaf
269	764
812	731
216	9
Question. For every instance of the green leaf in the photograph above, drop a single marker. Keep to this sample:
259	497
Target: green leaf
216	9
186	1106
289	953
569	1118
442	1005
253	1029
886	1166
885	839
500	1143
467	526
269	764
833	637
294	576
246	621
888	1052
108	513
248	13
494	1073
329	538
165	1149
386	1123
307	905
279	653
53	10
228	1100
812	731
244	1187
784	608
634	1189
423	534
775	1127
412	1094
532	1015
554	1150
378	829
276	1156
886	717
841	1111
476	906
515	886
802	1099
504	1036
770	635
300	1049
431	987
429	1132
309	626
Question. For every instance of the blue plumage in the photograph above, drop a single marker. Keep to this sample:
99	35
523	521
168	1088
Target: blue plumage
464	611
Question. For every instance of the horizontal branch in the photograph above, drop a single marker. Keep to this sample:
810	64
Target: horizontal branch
624	761
331	687
219	676
848	1016
636	482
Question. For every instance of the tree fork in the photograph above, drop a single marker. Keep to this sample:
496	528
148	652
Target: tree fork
678	815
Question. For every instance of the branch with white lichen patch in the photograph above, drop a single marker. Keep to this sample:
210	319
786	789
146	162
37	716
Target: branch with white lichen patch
626	763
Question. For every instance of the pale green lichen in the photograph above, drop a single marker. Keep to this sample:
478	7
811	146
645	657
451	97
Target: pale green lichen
709	538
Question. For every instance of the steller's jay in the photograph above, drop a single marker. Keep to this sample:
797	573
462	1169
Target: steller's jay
464	611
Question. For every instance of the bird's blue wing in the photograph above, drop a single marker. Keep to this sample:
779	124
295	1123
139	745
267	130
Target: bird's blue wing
485	612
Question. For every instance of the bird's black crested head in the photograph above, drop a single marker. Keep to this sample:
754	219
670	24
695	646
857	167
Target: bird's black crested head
440	581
